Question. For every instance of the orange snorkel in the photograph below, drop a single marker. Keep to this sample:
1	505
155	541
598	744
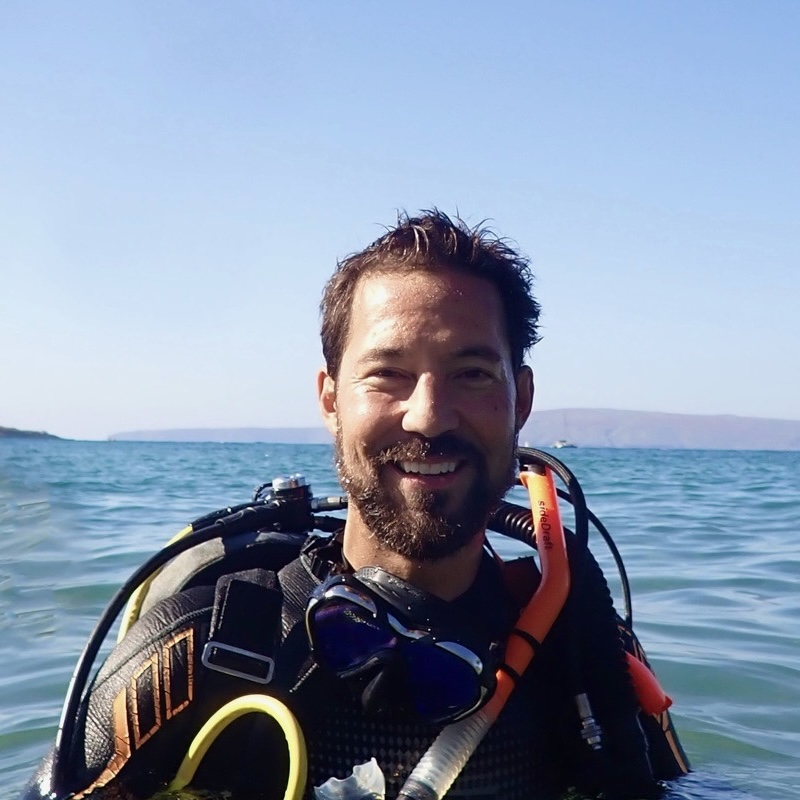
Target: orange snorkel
448	754
547	601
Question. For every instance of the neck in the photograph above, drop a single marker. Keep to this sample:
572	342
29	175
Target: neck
447	577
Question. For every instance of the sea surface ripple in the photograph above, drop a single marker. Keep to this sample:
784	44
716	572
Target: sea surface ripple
709	538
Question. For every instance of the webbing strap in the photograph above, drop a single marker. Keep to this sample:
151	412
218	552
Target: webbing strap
244	625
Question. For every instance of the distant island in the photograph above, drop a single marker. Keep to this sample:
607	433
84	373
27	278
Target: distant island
16	433
600	427
581	427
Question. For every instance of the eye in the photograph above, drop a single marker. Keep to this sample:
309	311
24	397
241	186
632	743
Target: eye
386	373
386	378
476	376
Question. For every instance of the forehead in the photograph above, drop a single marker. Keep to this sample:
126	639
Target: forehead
400	309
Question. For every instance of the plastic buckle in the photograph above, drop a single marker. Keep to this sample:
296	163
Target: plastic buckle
209	651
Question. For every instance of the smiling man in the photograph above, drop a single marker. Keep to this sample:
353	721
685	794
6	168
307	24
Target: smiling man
425	392
378	635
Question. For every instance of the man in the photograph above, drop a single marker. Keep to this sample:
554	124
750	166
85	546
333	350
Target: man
395	626
425	392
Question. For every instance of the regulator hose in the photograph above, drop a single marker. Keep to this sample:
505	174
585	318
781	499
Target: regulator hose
515	521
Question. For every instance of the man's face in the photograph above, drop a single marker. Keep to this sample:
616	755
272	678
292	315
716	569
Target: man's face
426	409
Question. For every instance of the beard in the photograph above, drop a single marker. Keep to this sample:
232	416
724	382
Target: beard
418	525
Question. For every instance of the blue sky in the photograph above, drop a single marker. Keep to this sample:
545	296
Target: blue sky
178	179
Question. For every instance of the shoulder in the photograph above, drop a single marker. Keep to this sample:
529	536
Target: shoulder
182	661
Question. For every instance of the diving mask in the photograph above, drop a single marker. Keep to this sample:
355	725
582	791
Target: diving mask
375	626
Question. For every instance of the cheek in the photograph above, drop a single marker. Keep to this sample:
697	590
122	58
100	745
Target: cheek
492	409
369	407
493	420
365	418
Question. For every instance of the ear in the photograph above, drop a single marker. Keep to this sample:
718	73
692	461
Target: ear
326	396
524	402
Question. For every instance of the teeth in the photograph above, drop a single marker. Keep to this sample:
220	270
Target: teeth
425	468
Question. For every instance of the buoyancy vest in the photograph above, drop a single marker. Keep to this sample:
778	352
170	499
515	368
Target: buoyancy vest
154	692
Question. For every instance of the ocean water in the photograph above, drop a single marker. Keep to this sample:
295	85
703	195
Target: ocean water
710	541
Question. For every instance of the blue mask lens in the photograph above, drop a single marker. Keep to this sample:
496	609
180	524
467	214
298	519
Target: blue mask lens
348	637
443	684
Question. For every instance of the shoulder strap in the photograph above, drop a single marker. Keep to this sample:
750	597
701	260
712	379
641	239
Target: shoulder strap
319	557
298	579
256	628
245	625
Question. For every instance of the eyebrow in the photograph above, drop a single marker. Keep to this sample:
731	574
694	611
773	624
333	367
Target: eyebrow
480	351
483	352
379	354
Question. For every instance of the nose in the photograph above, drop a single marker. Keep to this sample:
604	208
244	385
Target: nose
429	410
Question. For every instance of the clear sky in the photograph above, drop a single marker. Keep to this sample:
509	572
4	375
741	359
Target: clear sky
178	179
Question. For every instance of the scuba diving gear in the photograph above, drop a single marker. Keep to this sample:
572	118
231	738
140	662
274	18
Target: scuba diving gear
162	652
372	622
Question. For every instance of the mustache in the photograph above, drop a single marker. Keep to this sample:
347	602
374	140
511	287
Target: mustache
445	446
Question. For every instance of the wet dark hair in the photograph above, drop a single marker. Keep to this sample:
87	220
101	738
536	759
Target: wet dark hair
433	241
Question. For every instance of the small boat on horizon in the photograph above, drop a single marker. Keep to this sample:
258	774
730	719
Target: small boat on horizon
559	443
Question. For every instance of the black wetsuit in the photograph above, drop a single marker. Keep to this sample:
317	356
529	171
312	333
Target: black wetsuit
153	694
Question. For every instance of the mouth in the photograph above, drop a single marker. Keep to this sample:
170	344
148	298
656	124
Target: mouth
427	467
431	465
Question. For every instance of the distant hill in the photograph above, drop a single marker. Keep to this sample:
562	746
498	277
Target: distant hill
594	427
318	435
16	433
583	427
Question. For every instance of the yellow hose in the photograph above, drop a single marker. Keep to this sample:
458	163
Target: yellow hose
134	606
249	703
